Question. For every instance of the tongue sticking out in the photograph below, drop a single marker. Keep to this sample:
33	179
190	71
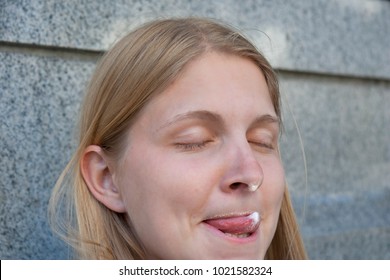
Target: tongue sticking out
236	225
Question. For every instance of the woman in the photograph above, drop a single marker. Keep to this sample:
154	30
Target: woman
178	155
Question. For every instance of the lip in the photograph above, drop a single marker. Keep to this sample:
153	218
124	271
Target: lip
229	215
220	234
216	232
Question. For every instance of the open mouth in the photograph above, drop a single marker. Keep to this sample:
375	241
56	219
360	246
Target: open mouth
236	226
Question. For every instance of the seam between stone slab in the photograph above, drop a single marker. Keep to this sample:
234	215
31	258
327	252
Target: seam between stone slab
94	55
281	70
50	51
329	234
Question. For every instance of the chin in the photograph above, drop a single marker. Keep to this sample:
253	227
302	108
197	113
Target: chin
232	255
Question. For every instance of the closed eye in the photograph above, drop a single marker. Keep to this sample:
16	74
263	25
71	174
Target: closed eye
266	145
191	147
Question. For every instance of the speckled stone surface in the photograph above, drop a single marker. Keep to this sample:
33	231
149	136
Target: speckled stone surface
345	129
39	103
344	125
349	37
343	118
346	226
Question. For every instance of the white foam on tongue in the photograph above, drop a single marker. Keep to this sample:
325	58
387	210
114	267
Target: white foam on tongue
254	217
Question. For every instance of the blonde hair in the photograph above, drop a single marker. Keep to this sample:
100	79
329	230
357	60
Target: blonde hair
139	66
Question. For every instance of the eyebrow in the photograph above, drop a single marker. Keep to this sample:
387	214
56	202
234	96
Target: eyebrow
264	119
201	115
217	119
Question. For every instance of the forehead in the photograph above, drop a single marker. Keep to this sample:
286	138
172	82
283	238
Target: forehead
226	84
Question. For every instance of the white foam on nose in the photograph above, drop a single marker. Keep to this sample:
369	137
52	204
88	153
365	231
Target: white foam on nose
253	187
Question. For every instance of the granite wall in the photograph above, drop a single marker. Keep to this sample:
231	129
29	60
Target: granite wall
333	58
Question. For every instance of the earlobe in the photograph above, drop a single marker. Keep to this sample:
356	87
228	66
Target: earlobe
98	177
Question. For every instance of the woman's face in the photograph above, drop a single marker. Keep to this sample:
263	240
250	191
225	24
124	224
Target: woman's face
190	160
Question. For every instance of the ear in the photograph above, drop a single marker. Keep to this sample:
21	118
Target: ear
98	177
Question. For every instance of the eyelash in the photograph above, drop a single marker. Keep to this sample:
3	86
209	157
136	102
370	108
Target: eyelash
192	146
268	146
198	146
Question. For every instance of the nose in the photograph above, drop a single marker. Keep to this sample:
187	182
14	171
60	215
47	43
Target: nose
243	170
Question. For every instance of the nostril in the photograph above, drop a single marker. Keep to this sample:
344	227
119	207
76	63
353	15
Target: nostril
250	187
235	186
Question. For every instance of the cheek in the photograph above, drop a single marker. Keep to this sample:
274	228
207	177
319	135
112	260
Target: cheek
190	183
274	186
154	183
